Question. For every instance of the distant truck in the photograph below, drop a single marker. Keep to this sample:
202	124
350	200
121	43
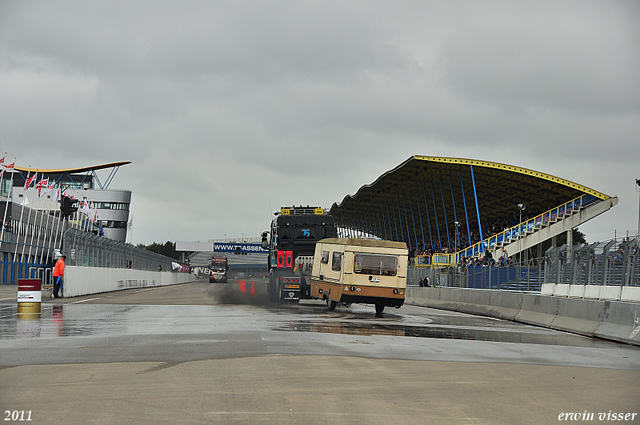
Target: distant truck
218	269
291	242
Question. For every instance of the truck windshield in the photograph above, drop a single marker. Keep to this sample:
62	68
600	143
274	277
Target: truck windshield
381	265
218	268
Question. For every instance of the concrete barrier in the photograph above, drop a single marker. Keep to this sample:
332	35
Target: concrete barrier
505	304
94	280
425	297
621	322
610	293
561	290
476	302
614	320
579	316
592	292
576	291
547	288
538	310
630	293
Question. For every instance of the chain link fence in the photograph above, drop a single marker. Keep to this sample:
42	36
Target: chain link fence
613	263
88	250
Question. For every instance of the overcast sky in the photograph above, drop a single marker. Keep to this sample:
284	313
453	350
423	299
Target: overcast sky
229	110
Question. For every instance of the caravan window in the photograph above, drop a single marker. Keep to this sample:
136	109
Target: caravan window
336	262
325	257
380	265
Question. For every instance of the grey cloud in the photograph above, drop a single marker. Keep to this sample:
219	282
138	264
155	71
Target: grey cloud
229	109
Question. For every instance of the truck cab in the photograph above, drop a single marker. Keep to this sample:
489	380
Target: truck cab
218	269
291	242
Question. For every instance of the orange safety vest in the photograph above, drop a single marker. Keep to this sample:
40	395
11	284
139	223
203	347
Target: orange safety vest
59	268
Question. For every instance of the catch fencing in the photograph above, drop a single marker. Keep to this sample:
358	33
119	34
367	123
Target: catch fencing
85	249
612	263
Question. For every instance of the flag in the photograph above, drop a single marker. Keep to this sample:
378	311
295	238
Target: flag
7	167
40	184
56	195
130	224
86	209
29	180
2	161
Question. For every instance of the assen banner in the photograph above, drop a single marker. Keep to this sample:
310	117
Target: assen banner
241	248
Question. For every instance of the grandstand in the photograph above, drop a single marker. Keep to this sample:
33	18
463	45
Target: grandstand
447	208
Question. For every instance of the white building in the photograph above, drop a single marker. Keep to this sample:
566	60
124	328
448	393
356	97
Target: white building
110	207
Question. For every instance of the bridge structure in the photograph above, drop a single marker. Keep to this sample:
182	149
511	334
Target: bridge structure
245	256
450	208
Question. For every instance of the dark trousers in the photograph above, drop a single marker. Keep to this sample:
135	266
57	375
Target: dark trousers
56	286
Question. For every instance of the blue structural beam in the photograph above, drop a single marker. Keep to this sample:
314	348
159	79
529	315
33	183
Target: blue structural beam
466	214
475	196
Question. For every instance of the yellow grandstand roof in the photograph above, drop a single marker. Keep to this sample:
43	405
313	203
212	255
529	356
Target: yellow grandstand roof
451	186
74	170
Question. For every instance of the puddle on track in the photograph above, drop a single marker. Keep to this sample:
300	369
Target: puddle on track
545	337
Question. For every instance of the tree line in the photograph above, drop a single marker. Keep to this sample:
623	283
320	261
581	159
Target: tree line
167	249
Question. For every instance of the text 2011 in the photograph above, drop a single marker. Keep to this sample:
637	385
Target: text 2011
17	415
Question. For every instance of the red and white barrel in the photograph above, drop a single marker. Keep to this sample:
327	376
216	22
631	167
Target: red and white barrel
29	296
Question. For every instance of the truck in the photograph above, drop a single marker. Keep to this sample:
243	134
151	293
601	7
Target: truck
291	242
218	269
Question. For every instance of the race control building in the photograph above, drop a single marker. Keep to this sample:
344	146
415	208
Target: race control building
32	228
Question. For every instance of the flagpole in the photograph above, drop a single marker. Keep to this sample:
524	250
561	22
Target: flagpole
130	229
46	233
57	231
6	204
42	234
35	211
9	198
21	226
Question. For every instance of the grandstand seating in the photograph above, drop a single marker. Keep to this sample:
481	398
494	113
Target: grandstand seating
542	227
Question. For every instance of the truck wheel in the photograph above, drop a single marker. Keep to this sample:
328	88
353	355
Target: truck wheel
379	308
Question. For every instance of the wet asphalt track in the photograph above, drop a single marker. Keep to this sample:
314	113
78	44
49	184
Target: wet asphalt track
202	353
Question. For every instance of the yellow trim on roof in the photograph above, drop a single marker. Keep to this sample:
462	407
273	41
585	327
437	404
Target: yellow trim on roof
505	167
74	170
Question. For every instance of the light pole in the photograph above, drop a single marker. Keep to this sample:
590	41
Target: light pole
521	207
638	190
